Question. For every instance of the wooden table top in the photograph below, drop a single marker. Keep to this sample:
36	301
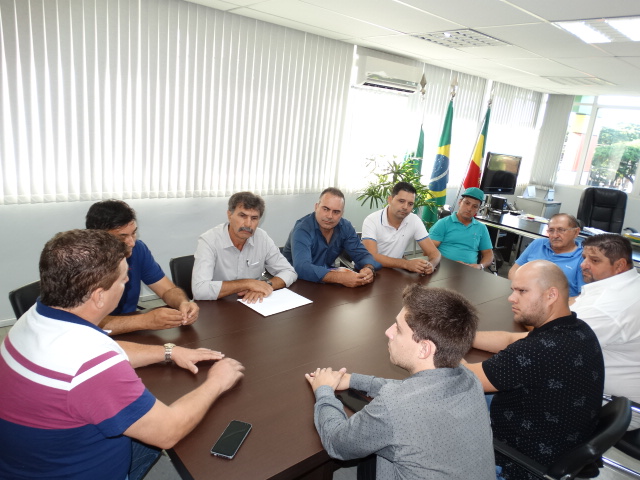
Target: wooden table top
343	327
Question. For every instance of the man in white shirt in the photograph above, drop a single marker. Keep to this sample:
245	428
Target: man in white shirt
610	304
232	257
387	233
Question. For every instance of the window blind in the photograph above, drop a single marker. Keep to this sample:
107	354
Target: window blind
163	98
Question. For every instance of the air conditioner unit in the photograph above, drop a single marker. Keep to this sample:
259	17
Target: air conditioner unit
377	72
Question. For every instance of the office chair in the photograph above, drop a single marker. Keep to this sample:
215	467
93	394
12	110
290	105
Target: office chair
23	298
181	269
628	444
602	208
612	424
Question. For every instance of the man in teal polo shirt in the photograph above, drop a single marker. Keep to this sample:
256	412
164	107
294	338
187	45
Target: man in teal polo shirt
461	237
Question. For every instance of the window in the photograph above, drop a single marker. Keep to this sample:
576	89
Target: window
602	144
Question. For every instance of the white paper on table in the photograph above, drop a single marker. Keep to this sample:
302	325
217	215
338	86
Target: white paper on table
279	301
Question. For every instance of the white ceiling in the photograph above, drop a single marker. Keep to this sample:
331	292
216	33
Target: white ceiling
537	49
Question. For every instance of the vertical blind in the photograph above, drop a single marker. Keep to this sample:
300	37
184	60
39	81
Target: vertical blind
553	131
163	98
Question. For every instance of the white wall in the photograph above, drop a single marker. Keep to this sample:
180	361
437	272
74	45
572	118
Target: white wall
170	227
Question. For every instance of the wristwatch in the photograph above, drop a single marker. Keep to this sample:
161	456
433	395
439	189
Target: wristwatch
168	347
268	282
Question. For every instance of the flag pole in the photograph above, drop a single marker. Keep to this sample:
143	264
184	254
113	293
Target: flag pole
482	126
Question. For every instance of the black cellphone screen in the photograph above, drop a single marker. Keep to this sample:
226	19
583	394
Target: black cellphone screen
231	439
353	400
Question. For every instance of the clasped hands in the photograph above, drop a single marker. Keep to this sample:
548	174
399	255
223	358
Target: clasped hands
420	265
337	380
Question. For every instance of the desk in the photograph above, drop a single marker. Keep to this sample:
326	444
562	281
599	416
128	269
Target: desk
344	327
514	224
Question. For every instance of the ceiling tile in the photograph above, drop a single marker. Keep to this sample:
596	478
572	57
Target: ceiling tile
388	14
267	17
544	39
474	13
319	17
555	10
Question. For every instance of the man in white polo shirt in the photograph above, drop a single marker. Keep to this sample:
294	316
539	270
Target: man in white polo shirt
386	233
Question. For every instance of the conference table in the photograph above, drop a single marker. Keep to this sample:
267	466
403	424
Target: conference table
343	327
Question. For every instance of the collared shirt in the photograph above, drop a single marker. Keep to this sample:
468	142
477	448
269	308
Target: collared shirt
68	395
540	249
393	242
218	260
142	268
460	242
611	308
431	425
311	255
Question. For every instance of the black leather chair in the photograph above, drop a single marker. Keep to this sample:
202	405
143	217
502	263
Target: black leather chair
24	297
628	444
181	269
612	424
602	208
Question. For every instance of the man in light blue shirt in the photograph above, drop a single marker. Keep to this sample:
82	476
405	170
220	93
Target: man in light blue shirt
461	237
560	248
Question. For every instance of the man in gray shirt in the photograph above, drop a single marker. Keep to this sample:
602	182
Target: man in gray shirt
432	425
232	257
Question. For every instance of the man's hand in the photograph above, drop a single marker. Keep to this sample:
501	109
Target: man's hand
419	265
226	373
161	318
256	292
188	357
326	376
477	266
189	311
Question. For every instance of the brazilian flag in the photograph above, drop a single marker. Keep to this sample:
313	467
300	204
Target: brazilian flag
440	173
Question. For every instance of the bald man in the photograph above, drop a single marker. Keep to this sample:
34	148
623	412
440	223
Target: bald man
548	382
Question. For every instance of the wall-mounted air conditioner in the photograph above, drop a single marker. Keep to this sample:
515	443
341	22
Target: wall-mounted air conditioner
374	70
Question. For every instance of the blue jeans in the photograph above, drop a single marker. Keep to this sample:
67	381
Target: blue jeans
143	457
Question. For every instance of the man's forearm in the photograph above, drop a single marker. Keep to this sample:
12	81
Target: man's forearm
117	324
174	297
496	340
390	262
141	355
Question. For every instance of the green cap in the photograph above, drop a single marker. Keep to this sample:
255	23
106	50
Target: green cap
474	192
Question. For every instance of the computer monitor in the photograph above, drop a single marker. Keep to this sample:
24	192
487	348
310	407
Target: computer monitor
500	174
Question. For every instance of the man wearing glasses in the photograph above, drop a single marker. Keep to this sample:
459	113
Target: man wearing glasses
462	238
560	248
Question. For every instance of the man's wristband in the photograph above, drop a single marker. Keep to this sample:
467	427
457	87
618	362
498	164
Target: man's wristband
370	267
481	266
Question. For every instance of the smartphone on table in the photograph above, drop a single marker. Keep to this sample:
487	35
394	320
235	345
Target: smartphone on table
229	442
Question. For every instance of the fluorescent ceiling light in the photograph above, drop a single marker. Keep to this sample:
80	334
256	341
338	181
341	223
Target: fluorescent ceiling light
629	27
584	32
604	30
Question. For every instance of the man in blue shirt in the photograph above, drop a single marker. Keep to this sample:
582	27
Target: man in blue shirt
461	237
319	238
560	248
119	219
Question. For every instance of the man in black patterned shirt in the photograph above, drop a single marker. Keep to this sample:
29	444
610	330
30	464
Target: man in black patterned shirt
548	383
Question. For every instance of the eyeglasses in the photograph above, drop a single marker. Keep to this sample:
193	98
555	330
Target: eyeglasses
561	231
